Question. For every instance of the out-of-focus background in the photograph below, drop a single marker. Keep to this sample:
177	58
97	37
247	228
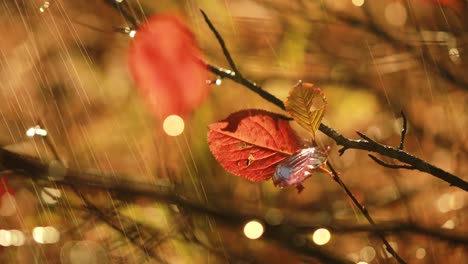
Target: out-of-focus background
63	66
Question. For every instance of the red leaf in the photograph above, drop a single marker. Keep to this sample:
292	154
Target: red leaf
163	62
251	143
4	189
4	186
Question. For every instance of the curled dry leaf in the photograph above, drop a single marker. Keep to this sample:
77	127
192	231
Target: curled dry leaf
298	167
163	62
251	143
307	105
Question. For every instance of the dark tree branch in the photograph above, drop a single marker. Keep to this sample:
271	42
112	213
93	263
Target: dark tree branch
347	143
374	29
388	165
366	214
221	42
34	168
223	73
403	130
128	17
115	222
368	145
37	170
397	227
336	177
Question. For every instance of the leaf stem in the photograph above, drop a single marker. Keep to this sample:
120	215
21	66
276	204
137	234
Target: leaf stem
347	143
366	214
243	81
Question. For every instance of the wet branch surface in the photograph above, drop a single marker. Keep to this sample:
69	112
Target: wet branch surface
347	143
124	189
283	234
366	144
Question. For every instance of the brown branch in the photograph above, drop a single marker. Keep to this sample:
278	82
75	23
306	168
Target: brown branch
388	165
336	177
37	170
403	130
347	143
374	29
368	145
122	188
397	227
221	42
123	11
366	214
111	221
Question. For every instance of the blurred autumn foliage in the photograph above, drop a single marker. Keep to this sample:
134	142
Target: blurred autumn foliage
134	194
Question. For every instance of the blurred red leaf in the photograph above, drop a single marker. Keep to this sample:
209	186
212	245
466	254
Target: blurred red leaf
251	143
4	187
163	62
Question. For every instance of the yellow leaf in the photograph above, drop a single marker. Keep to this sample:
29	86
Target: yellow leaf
306	104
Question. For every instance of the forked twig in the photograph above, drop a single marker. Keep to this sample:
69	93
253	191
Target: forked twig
403	131
346	143
335	174
366	214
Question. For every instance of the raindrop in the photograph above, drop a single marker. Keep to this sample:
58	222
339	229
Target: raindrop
457	200
420	253
454	55
46	235
173	125
395	14
253	229
367	254
37	130
449	224
38	234
358	2
17	238
50	195
321	236
31	132
443	203
5	238
40	132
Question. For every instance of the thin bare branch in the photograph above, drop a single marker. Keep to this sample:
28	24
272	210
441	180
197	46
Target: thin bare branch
366	214
397	227
403	130
374	29
123	11
221	42
388	165
347	143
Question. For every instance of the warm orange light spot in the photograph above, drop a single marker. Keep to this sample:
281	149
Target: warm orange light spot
253	230
321	236
173	125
